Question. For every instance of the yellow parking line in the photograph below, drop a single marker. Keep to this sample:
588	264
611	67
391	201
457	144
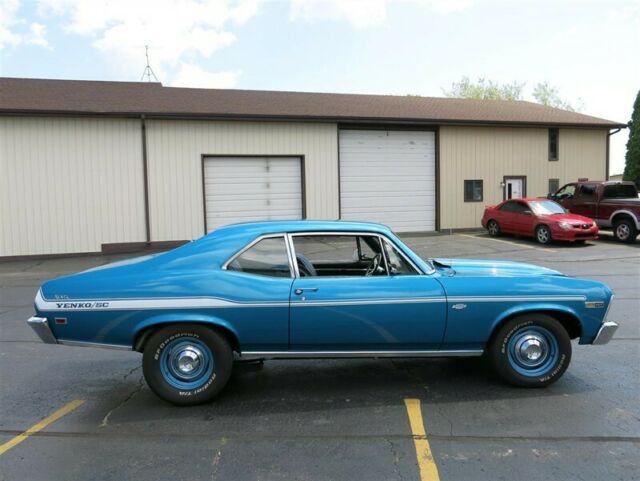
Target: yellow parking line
544	249
428	468
64	410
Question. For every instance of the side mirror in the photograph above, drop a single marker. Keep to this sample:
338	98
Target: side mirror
527	212
551	196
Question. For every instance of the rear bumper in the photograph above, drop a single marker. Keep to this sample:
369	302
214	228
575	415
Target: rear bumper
41	327
606	332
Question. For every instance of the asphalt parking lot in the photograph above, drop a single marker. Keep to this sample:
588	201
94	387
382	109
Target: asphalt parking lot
327	420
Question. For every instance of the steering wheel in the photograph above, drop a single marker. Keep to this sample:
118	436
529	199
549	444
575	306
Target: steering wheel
373	267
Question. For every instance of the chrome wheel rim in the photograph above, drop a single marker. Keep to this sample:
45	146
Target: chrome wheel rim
533	351
493	228
186	363
543	235
623	231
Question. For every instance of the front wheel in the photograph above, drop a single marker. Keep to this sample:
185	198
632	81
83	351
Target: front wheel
625	230
187	364
543	234
532	350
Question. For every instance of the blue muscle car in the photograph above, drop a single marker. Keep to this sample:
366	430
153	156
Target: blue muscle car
316	289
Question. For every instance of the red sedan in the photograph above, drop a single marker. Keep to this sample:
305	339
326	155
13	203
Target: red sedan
540	218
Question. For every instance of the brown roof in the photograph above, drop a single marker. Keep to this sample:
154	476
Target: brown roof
34	96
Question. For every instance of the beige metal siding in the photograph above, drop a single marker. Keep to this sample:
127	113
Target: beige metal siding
69	185
490	153
175	150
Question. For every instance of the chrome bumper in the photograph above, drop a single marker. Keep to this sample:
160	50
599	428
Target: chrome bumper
41	326
606	332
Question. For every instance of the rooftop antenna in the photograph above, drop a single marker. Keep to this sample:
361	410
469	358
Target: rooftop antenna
148	71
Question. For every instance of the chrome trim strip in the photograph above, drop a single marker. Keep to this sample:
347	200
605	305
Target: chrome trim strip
357	354
96	344
341	302
605	333
514	298
294	257
41	327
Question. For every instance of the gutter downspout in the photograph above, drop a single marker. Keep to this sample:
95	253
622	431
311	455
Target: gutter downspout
145	179
609	134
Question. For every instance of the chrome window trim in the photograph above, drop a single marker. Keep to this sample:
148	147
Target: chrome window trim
355	233
225	266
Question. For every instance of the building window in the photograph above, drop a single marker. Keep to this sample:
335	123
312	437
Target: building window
554	142
554	185
473	190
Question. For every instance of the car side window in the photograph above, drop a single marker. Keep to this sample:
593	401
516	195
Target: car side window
267	257
339	255
520	208
566	192
587	192
508	207
398	265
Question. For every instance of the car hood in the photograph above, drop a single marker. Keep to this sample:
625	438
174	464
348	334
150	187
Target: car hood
571	218
483	268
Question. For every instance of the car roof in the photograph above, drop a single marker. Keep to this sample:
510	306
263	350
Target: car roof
277	226
527	199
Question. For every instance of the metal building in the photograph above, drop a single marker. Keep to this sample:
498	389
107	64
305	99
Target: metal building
103	166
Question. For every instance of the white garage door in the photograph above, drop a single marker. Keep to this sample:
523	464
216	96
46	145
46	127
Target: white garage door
389	177
242	189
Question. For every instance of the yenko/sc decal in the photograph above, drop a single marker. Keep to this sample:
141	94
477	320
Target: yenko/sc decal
81	305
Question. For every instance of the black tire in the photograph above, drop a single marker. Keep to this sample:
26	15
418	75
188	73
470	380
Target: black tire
625	230
493	228
504	353
179	342
543	235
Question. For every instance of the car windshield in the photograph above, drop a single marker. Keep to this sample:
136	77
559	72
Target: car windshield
546	207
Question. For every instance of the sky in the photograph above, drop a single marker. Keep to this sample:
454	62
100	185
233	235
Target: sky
589	50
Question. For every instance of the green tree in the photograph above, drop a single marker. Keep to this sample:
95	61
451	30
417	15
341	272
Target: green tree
543	93
484	89
546	94
632	159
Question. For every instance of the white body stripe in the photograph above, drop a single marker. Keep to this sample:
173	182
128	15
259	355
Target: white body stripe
212	302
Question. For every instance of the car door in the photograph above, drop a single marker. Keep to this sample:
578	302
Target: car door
523	218
565	196
584	201
505	217
391	307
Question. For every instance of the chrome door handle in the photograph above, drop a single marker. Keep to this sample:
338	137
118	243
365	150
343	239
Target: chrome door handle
300	290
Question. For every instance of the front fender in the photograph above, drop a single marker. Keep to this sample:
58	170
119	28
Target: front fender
535	307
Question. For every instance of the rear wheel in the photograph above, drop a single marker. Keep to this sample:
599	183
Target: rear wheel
531	350
493	228
543	234
187	364
625	230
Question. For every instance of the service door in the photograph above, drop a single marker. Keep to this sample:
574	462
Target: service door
243	189
388	176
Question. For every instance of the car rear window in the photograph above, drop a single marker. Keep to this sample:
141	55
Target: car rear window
620	191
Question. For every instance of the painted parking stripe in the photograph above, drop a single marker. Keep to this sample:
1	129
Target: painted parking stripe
63	411
545	249
426	463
